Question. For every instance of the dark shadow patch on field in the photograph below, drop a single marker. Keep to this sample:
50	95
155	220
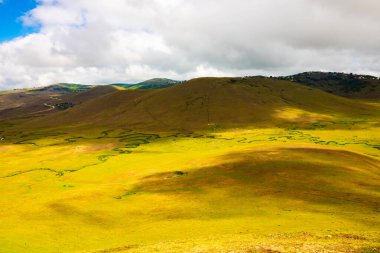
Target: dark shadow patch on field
89	217
346	182
118	249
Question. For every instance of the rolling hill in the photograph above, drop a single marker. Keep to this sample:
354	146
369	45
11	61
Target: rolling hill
213	103
51	99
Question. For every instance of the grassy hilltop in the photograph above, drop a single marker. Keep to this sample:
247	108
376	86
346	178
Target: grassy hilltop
208	165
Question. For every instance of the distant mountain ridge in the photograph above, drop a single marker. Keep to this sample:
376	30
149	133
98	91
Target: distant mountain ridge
155	83
62	88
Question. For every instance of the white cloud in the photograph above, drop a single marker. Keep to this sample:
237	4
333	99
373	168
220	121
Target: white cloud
131	40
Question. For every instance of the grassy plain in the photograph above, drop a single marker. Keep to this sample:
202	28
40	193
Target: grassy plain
314	189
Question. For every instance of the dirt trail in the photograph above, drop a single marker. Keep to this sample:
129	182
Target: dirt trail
51	107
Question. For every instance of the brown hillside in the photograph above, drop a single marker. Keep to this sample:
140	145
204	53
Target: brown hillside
208	102
44	101
81	97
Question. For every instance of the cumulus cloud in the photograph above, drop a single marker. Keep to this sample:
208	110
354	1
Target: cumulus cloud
106	41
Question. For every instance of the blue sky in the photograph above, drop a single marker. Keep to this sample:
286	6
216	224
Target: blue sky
10	23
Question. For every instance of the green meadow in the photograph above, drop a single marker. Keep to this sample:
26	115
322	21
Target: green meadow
289	189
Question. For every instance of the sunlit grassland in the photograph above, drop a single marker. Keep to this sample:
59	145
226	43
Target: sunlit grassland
313	188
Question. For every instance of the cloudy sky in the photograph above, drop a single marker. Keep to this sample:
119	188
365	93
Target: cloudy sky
105	41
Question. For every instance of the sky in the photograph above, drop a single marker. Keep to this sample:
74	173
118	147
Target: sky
10	22
125	41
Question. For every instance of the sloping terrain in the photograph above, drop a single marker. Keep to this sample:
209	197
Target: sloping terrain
93	93
47	100
341	84
30	102
213	102
42	101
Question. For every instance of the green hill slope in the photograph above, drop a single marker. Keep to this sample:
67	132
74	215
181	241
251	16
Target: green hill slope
214	102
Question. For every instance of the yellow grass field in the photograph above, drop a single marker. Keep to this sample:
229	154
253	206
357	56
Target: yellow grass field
236	190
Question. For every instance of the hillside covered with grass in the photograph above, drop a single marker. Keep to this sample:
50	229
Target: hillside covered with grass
204	103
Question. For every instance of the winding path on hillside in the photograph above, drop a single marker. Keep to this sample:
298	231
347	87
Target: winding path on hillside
51	107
